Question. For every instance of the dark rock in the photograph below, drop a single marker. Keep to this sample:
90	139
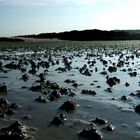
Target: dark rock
58	120
42	77
90	92
12	65
87	72
67	64
61	69
2	114
41	99
112	69
103	73
96	69
3	89
113	81
55	95
72	94
23	87
124	70
26	117
14	106
137	94
124	98
132	94
108	90
92	84
137	109
127	84
62	117
104	62
91	134
25	77
36	87
133	74
32	71
23	70
130	69
4	102
64	91
69	106
75	85
69	81
99	121
109	128
9	112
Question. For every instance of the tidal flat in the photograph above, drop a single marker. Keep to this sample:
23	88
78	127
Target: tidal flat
70	90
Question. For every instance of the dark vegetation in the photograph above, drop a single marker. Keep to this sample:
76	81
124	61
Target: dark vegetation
90	35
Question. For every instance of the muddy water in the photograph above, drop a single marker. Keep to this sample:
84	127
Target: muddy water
118	113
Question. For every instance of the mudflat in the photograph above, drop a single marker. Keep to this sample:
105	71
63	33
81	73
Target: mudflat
70	90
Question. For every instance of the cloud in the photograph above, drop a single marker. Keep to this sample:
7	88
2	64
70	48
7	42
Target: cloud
45	2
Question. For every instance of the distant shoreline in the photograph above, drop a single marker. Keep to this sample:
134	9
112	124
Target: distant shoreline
75	35
88	35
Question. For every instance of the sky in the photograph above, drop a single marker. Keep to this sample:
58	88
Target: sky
19	17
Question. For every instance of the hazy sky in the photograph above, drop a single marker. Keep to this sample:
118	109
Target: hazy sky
37	16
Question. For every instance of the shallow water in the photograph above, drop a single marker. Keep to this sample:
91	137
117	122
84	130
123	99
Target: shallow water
118	113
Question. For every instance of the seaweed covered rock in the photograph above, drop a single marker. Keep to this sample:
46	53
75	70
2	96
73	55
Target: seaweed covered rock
13	132
51	85
91	134
68	106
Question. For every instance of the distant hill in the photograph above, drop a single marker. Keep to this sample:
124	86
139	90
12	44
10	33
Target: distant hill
90	35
